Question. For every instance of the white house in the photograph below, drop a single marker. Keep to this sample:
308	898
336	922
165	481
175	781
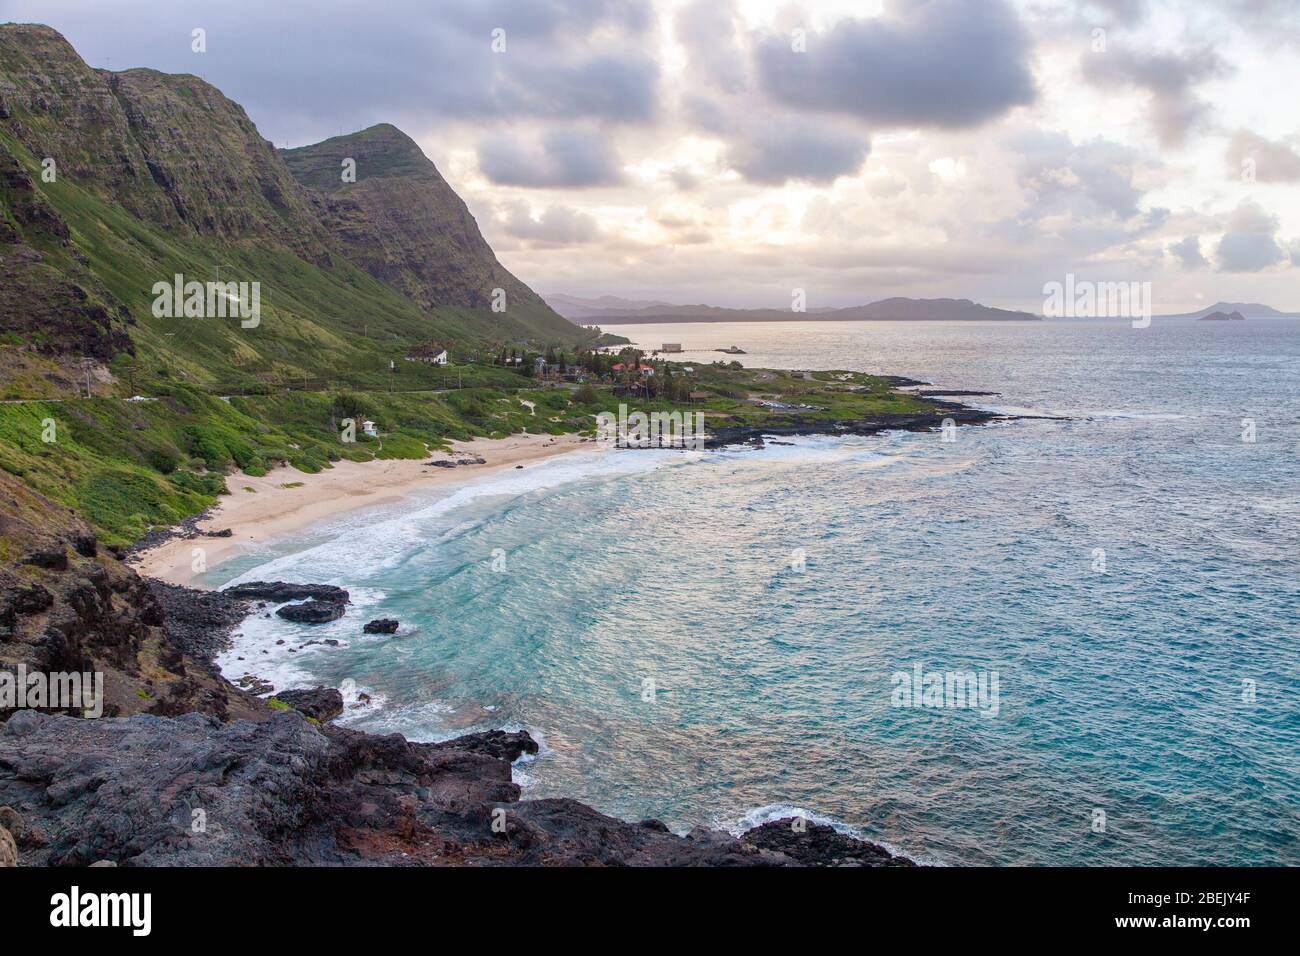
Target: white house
429	355
369	428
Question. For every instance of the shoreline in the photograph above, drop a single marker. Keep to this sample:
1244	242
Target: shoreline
286	500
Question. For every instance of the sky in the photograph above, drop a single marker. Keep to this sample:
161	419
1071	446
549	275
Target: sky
733	151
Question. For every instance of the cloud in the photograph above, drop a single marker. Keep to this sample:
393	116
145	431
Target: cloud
564	159
1249	244
1263	159
1082	180
1169	80
557	224
773	147
775	152
708	31
306	69
943	63
616	89
1188	252
1125	11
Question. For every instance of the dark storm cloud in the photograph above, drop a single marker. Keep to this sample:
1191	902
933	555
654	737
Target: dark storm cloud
305	70
943	63
564	159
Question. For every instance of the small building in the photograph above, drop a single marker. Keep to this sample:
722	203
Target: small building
699	397
428	354
671	347
646	370
369	428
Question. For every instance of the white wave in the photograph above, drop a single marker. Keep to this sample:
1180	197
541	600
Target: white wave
384	537
1136	416
783	811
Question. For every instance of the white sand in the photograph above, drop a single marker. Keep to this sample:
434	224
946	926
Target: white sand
271	510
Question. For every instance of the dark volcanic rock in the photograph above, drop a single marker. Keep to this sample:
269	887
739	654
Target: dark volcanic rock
383	625
280	591
285	791
320	703
199	623
801	425
80	609
313	612
815	844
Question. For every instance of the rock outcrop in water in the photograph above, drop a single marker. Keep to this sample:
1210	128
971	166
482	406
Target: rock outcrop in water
312	612
277	592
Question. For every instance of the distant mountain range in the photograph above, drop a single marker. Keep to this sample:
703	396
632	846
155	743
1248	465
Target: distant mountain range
613	310
1244	310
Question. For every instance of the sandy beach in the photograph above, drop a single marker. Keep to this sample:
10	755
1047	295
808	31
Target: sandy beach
286	500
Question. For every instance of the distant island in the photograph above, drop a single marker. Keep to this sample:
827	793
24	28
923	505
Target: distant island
611	310
1234	311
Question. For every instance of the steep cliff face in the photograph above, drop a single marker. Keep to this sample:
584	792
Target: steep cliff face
43	303
59	108
169	148
401	222
112	182
217	171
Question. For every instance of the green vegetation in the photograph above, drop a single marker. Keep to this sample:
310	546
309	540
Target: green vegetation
129	466
162	176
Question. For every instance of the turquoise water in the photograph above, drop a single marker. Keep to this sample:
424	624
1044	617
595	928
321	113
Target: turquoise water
647	617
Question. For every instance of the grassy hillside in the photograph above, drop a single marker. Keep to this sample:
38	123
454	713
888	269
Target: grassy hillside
156	175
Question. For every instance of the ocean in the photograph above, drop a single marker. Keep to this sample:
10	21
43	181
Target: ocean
723	637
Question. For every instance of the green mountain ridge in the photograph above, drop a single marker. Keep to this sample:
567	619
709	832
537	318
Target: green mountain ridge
402	223
158	174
